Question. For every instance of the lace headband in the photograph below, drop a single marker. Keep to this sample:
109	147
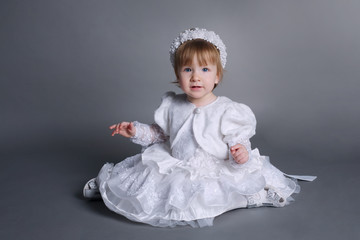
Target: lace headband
197	33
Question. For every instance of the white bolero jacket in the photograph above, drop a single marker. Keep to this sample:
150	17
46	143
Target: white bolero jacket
216	126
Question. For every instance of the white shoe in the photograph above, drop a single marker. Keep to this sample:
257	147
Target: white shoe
91	190
255	200
273	199
265	198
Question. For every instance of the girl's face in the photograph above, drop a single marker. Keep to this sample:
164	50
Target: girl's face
197	82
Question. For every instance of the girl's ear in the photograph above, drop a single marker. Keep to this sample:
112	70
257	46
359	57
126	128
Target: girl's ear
217	80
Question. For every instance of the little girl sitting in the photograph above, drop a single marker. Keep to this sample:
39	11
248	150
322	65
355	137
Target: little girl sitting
197	161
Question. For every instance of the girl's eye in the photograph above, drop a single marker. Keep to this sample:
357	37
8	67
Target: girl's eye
187	70
205	69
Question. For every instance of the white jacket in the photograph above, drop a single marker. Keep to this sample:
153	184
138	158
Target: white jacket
216	126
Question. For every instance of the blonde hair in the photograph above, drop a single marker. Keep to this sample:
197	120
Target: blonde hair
205	52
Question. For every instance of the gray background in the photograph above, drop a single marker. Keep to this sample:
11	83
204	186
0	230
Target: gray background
69	69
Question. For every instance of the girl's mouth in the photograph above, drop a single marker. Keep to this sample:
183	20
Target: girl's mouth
196	87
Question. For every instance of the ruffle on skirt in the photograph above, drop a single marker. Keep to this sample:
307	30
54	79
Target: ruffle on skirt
157	189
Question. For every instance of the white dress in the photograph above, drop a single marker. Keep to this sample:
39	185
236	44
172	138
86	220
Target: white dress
174	181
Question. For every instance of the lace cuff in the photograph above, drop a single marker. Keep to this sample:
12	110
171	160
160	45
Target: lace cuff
147	134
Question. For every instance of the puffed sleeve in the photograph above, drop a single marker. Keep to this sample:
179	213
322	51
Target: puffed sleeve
238	125
161	115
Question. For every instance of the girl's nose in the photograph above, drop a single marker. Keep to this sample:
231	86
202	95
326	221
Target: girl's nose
195	77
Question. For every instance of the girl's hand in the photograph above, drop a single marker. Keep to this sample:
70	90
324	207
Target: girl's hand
126	129
239	153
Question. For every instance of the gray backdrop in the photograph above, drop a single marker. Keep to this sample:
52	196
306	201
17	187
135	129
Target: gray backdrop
69	69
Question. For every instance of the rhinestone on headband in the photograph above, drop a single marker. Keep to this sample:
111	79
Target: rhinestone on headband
196	33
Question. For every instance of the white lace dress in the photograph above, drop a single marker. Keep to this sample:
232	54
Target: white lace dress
174	181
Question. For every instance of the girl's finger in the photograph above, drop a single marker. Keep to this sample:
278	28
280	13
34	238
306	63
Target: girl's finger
239	152
245	158
234	148
236	154
238	160
121	127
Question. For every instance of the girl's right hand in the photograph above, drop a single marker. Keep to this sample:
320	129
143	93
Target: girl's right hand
126	129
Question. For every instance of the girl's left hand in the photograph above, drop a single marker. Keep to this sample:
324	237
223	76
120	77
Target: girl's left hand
239	153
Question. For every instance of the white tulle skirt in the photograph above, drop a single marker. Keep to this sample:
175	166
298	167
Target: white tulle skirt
157	189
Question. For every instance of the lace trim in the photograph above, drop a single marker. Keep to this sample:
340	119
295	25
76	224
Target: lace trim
148	134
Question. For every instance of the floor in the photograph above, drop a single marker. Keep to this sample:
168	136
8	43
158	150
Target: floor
42	197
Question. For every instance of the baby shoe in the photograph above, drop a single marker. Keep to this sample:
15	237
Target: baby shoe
255	200
273	199
265	198
91	190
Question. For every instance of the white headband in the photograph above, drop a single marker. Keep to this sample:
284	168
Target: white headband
196	33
